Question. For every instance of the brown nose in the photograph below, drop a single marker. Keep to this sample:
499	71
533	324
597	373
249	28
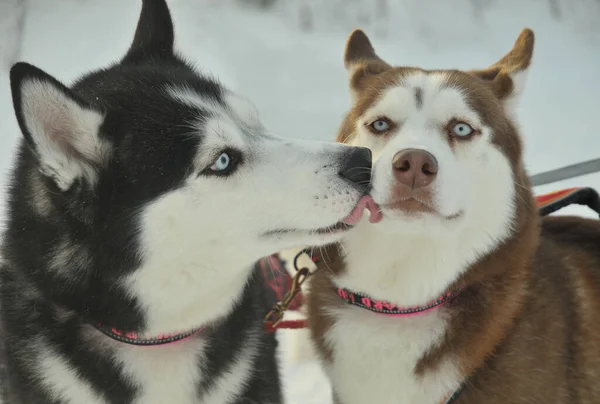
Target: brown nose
415	168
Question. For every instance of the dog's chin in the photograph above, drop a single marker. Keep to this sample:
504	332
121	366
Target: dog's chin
414	217
412	208
314	237
332	233
310	241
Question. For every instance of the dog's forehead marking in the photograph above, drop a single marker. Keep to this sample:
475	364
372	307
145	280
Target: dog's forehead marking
419	97
233	105
190	97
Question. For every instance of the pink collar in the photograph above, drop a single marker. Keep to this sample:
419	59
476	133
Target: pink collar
390	309
132	338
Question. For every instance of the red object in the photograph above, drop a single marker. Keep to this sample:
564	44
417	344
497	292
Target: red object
289	325
553	196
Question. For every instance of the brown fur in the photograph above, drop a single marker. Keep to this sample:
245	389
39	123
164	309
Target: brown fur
526	328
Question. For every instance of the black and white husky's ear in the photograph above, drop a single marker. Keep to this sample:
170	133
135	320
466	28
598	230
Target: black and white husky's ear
61	129
508	76
361	61
154	37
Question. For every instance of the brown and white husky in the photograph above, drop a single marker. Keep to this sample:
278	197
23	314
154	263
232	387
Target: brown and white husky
461	293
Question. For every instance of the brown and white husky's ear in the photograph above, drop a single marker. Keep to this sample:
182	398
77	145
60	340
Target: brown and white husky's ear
61	129
508	75
361	61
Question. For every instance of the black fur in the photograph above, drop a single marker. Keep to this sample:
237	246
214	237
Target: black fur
147	159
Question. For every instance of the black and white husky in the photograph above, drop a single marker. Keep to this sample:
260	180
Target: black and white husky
141	197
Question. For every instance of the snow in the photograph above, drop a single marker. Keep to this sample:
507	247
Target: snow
288	60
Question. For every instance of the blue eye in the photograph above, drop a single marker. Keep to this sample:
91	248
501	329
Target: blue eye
380	125
462	129
225	164
221	163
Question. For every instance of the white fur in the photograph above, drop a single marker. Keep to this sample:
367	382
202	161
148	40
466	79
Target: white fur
243	109
519	79
237	105
166	374
190	97
39	200
410	260
59	126
68	254
233	380
374	359
60	380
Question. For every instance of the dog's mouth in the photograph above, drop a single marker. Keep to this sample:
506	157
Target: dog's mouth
414	206
355	216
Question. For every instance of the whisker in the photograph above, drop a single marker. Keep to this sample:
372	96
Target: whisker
359	169
325	254
270	266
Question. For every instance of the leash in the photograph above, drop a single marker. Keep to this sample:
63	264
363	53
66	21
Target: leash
274	319
566	172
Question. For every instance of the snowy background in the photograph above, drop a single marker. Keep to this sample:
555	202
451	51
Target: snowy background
286	55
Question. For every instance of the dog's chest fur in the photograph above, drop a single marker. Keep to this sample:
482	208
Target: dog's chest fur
228	362
163	374
174	373
373	355
374	358
168	374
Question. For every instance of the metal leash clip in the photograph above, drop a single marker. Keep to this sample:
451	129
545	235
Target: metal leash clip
275	316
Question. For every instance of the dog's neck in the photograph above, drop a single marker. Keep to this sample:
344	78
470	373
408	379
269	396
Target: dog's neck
180	292
407	270
412	270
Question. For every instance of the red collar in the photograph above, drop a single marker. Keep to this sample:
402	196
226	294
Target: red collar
390	309
132	338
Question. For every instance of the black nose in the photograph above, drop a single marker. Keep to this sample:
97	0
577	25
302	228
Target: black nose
357	167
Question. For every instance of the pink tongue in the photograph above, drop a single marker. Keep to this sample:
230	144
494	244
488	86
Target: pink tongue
357	213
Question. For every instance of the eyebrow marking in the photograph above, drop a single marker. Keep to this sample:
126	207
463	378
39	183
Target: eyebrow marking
192	98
